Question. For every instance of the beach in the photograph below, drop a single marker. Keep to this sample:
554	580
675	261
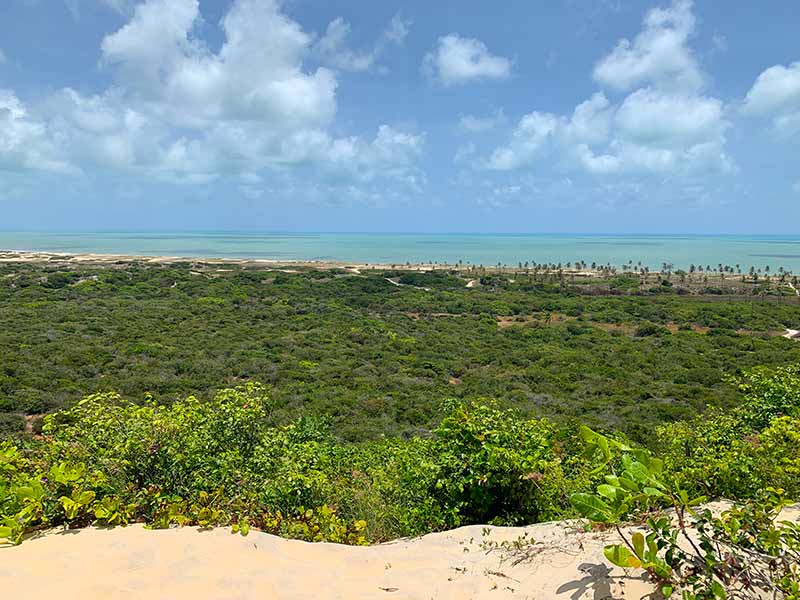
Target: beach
643	250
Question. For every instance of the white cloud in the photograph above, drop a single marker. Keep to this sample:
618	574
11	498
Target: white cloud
776	94
528	142
331	49
256	76
473	124
457	60
180	112
776	88
590	121
652	118
664	125
397	31
651	131
392	152
658	55
26	143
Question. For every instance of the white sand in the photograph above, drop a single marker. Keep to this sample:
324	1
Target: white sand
134	563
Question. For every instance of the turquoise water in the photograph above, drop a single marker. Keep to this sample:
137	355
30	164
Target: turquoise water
486	249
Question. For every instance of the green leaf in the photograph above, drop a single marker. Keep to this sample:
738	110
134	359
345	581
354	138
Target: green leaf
592	507
654	493
621	556
608	491
659	567
86	497
637	539
628	484
667	590
639	472
718	590
6	532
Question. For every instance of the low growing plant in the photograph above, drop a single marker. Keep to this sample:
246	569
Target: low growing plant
741	553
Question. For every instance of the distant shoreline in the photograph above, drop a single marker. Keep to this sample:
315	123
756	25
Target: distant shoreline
626	252
566	268
100	259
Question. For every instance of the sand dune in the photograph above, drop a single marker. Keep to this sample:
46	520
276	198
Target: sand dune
134	563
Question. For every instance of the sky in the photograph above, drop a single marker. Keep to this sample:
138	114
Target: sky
560	116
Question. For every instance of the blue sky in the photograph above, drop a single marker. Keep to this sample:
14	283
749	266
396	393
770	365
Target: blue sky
463	115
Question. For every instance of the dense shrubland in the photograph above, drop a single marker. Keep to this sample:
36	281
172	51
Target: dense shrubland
376	358
226	462
349	440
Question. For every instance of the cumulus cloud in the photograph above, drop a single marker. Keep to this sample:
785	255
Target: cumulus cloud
776	88
665	124
25	142
256	76
528	142
650	117
659	53
457	60
181	112
332	50
776	94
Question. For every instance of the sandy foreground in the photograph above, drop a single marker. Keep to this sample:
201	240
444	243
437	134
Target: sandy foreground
184	563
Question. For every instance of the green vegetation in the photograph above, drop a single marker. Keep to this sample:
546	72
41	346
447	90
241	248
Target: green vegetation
377	358
225	462
743	551
374	420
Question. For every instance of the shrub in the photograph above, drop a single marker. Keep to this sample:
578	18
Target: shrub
495	467
651	329
742	553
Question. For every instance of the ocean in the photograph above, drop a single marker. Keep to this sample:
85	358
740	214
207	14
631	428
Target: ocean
486	249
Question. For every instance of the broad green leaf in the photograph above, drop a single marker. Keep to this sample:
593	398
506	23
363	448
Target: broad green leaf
6	532
592	507
86	497
639	472
621	556
608	491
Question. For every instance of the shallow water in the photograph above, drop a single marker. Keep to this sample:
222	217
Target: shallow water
487	249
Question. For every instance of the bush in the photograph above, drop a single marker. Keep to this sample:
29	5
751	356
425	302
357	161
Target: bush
227	462
11	423
651	329
497	468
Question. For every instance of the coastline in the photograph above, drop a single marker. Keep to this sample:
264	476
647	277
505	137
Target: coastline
99	259
764	254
